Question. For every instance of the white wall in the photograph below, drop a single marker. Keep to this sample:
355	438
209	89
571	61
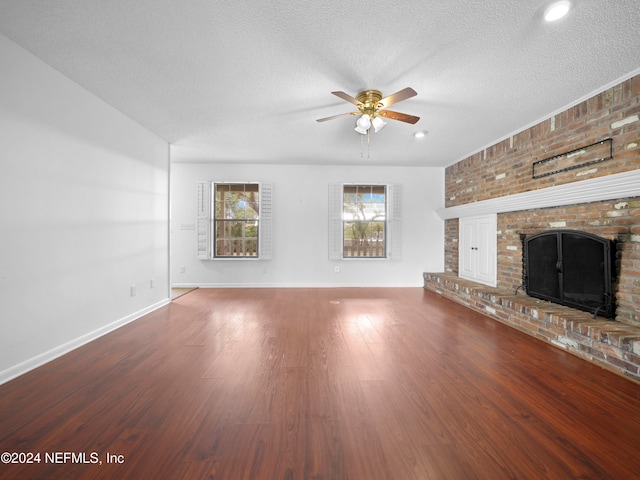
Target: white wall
83	215
300	218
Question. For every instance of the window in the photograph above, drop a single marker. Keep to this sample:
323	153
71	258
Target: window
364	214
234	220
364	221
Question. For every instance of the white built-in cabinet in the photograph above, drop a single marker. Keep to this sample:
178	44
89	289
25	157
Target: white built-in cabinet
477	241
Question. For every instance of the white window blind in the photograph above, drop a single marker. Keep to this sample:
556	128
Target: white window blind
335	221
203	220
394	199
265	231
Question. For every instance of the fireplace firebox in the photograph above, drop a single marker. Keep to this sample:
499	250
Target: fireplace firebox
571	268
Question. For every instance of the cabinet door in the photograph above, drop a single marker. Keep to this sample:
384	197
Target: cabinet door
467	257
477	249
486	249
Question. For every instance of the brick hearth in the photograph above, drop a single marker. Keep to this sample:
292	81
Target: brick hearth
608	343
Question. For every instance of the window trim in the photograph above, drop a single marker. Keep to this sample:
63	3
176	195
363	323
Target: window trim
215	220
205	225
345	221
393	231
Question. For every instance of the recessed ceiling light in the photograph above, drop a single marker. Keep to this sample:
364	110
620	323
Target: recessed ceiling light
557	10
420	134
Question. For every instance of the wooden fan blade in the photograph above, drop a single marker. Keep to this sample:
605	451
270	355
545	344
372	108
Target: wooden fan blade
337	116
397	97
403	117
347	97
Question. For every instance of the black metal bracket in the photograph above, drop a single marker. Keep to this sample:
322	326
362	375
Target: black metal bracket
571	159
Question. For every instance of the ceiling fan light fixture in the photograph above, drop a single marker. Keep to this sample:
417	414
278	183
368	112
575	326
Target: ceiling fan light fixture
372	106
378	124
557	10
363	124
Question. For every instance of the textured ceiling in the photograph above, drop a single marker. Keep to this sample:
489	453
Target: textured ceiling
244	81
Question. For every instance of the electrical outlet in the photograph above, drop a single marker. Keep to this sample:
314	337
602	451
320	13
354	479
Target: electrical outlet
183	269
336	269
152	283
133	290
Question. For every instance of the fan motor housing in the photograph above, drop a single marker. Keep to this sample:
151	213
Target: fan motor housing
369	100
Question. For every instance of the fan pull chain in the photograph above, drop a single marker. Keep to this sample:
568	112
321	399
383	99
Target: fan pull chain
362	145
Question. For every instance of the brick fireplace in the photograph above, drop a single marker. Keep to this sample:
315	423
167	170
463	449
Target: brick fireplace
601	198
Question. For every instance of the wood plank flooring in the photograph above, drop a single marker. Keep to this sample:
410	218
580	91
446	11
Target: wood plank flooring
283	384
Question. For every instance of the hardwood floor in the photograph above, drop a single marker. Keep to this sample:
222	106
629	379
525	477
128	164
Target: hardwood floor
359	384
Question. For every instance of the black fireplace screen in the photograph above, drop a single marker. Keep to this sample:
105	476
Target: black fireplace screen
571	268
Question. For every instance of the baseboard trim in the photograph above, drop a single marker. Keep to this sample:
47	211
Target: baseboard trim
295	285
39	360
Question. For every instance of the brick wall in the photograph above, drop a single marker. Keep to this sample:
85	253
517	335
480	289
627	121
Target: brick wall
506	168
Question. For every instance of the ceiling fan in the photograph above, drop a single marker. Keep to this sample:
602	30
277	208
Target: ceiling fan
371	107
